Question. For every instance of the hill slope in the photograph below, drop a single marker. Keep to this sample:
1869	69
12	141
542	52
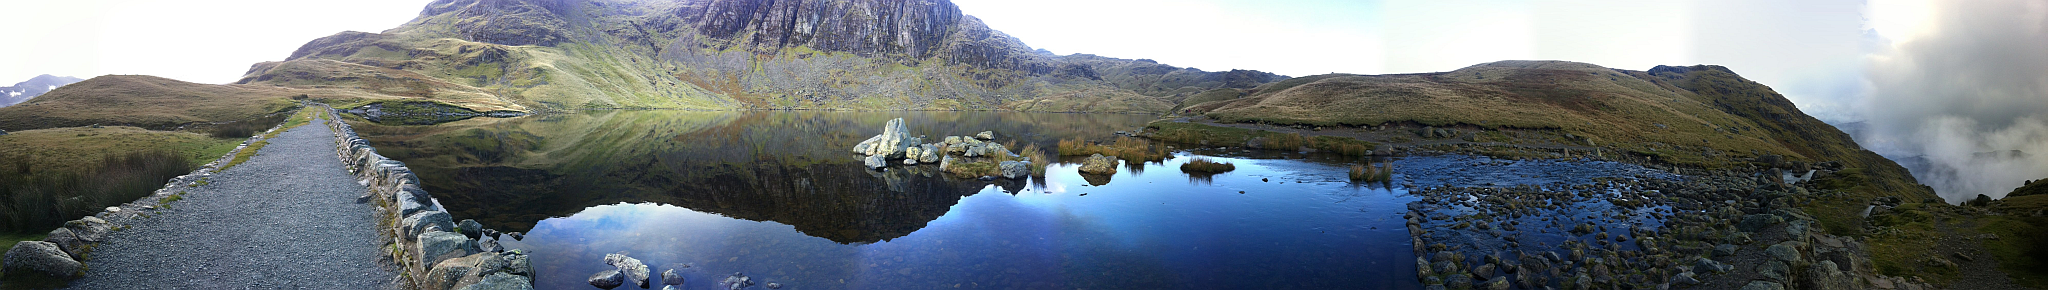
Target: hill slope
156	103
725	54
31	88
1699	115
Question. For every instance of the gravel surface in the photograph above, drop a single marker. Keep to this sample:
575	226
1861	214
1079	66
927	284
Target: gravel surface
285	219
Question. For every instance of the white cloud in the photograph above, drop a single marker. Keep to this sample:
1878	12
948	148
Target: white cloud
207	41
1962	84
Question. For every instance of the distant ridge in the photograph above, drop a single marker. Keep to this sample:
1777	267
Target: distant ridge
33	87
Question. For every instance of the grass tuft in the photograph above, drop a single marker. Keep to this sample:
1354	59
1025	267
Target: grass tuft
1372	173
1125	147
1202	165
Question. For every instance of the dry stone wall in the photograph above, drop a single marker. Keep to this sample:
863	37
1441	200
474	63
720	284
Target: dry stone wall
430	248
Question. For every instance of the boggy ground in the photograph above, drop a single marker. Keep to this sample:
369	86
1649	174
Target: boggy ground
1735	226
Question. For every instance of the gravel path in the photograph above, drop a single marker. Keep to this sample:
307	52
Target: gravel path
285	219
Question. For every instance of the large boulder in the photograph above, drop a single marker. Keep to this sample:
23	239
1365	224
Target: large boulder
1015	169
634	270
1098	164
39	257
891	143
434	247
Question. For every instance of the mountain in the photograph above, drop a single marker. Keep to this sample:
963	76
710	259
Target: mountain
528	55
31	88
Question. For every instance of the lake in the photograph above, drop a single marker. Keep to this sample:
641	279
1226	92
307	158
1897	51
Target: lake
778	196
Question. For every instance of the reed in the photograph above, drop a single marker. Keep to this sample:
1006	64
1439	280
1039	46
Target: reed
1038	159
1203	165
1372	172
1124	147
39	201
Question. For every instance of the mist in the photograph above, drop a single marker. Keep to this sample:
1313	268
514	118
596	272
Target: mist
1963	101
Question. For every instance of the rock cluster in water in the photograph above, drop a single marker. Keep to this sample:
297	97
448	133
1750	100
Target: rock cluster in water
895	143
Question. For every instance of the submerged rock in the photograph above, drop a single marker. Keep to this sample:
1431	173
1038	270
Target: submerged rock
671	278
1098	164
633	269
39	257
608	279
737	281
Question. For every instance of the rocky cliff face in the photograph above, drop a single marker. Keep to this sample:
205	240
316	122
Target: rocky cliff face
860	54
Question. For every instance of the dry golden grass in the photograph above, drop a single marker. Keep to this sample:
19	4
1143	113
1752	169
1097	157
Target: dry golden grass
1125	147
1372	172
1038	159
1202	165
1613	108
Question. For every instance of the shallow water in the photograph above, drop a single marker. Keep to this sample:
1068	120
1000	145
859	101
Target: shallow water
777	195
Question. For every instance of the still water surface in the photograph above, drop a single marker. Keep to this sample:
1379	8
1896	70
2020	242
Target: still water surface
778	196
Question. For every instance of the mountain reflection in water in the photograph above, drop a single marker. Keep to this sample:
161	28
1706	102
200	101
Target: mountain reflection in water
792	168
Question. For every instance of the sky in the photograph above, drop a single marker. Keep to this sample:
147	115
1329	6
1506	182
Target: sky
1942	80
203	41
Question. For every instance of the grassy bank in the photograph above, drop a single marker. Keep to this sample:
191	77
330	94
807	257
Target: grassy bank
1206	135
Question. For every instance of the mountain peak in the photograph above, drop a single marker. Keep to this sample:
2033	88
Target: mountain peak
35	86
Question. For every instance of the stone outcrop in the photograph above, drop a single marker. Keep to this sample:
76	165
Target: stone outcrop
39	258
432	250
893	141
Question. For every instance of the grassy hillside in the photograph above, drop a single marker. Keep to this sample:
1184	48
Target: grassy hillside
1700	116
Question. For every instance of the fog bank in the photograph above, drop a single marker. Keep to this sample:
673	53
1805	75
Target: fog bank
1964	93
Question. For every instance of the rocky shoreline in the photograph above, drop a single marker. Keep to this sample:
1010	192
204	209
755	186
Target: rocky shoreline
433	251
